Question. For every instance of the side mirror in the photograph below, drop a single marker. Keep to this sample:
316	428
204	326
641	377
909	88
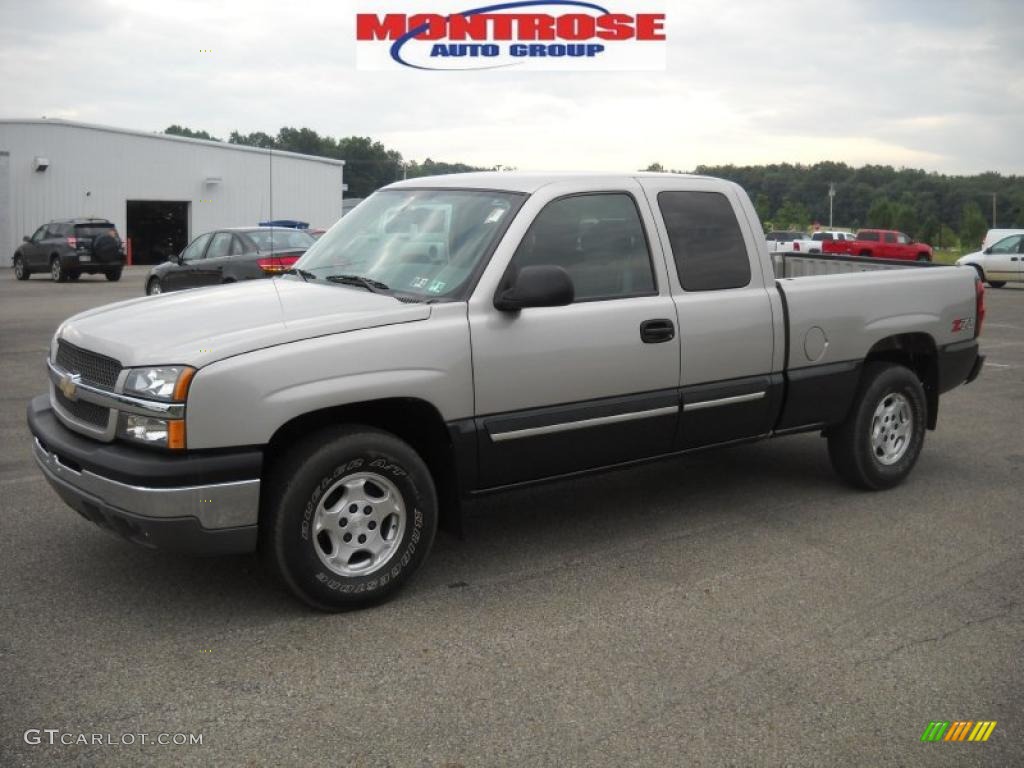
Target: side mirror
178	258
26	239
541	286
987	251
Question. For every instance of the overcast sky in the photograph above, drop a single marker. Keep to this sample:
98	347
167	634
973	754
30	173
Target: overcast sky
936	85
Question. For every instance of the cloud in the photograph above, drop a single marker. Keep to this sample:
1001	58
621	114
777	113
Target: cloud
932	84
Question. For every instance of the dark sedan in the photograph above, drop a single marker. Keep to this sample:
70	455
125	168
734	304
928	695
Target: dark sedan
230	255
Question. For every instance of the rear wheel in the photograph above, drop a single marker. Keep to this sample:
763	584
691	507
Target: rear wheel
881	439
113	275
997	283
350	515
865	253
74	275
57	272
20	270
154	287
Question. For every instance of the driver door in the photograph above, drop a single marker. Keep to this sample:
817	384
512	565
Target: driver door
33	250
1003	261
594	383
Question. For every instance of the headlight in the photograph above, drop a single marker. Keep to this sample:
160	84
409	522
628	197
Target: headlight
168	382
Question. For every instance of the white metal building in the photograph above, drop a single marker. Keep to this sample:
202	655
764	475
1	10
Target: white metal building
160	191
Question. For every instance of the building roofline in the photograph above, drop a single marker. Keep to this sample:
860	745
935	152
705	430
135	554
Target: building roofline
165	137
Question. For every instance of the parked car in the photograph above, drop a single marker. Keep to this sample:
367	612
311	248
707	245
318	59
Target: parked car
463	334
779	240
883	244
817	242
999	263
228	256
68	248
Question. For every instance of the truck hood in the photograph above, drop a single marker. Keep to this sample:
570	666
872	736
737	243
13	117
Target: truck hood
198	327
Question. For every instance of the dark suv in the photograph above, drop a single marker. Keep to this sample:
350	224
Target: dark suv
68	247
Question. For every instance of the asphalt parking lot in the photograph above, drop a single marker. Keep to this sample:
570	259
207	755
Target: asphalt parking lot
738	607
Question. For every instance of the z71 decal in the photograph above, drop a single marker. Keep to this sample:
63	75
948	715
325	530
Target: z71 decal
962	324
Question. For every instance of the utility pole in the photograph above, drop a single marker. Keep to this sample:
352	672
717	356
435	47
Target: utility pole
993	210
831	197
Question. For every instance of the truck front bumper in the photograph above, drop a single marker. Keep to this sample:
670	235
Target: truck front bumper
201	503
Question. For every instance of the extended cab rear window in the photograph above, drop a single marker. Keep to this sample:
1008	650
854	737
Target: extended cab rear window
871	236
706	240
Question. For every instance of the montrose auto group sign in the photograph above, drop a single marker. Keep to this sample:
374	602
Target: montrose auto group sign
527	34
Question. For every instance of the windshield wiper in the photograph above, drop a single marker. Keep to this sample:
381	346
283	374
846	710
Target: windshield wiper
374	286
304	274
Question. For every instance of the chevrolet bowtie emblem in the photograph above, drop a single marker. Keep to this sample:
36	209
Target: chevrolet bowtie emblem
69	385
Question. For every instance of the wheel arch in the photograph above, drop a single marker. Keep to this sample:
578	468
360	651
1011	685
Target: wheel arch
413	420
919	353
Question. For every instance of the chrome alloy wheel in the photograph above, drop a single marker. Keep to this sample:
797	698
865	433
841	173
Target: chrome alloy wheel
892	428
358	524
55	270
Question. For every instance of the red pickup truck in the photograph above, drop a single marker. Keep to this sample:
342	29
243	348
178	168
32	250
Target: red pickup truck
881	244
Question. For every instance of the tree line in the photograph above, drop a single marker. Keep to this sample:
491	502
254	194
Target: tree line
936	208
369	165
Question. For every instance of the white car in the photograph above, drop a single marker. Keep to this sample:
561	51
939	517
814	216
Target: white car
1000	263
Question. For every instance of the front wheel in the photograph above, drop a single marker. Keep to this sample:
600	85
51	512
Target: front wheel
923	257
20	270
881	439
154	287
865	253
350	515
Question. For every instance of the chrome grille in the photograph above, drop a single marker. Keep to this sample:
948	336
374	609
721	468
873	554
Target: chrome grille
90	413
97	370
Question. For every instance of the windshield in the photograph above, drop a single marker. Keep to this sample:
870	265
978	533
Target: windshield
421	242
279	239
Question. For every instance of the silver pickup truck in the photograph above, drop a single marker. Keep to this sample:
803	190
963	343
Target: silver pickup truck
458	335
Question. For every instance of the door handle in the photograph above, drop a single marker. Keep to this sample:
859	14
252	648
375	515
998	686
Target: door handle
657	331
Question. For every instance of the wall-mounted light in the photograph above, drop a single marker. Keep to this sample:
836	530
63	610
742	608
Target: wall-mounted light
213	180
40	164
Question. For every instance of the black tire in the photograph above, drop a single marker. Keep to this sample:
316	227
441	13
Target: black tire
865	253
113	275
923	257
72	275
310	476
57	272
153	286
21	272
105	249
997	283
850	445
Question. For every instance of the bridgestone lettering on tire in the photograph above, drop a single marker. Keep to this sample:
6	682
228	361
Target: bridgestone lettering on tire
350	514
881	439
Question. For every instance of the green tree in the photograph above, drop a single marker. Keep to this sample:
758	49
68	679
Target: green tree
880	214
255	139
655	168
180	130
792	215
972	225
905	219
763	206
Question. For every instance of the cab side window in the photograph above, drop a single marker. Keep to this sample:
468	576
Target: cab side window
598	239
706	240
